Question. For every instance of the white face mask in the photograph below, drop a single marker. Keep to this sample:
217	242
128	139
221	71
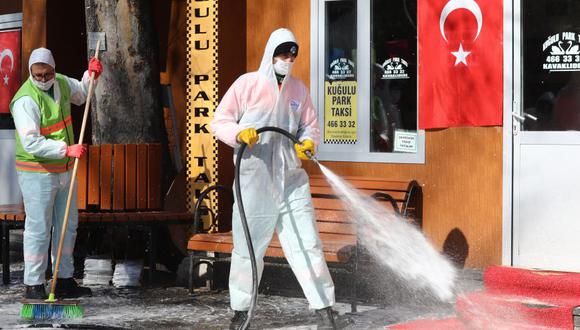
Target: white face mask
282	68
44	86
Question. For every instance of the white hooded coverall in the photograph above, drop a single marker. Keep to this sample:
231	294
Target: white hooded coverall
275	189
45	194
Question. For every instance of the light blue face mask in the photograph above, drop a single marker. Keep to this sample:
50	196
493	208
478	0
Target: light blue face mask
44	86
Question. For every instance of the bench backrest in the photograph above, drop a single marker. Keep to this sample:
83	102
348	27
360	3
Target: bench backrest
332	215
119	177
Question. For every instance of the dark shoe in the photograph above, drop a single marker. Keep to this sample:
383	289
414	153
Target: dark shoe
326	319
238	320
68	288
329	319
35	292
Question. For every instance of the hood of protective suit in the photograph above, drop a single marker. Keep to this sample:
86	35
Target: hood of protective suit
277	37
41	55
44	56
256	100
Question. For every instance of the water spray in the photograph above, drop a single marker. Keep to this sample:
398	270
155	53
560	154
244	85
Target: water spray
238	194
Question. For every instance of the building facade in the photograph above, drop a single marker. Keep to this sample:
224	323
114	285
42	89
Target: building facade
500	194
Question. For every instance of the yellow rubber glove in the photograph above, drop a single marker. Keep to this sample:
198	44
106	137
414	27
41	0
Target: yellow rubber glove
249	136
301	148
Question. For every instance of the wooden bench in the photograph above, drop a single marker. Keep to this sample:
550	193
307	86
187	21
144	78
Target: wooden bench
11	217
118	185
337	232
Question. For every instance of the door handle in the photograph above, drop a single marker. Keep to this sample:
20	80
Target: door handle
518	116
534	118
523	118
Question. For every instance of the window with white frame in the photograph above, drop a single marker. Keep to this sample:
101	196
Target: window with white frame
364	80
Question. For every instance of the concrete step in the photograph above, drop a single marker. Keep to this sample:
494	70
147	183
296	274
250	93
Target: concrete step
576	313
450	323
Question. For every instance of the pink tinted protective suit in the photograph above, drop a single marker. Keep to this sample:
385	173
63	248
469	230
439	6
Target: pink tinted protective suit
275	189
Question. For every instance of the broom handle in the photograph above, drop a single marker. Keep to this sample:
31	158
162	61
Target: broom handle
72	180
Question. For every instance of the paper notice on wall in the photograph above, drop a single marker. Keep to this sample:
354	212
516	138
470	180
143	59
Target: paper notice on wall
405	141
340	116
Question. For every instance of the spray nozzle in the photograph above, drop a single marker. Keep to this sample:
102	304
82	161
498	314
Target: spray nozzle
311	156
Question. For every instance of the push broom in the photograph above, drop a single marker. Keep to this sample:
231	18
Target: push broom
53	308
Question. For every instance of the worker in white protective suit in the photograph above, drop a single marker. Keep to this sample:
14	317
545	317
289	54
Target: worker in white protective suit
275	189
45	152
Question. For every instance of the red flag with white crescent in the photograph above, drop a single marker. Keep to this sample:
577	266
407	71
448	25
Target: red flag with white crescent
460	63
9	67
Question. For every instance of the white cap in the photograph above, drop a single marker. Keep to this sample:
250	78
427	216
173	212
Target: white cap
41	55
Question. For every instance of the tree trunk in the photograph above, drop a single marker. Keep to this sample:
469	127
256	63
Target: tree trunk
127	106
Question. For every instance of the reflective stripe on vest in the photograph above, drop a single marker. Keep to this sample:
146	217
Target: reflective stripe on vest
38	167
56	127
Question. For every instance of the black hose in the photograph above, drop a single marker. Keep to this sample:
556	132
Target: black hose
198	207
238	194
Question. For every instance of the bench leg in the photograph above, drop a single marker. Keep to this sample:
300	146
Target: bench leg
195	263
210	282
354	288
5	253
353	294
152	253
190	278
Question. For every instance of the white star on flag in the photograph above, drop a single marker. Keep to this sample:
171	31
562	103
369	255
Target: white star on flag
460	55
6	79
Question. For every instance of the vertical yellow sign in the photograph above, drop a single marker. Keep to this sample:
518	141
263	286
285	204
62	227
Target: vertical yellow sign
202	100
340	116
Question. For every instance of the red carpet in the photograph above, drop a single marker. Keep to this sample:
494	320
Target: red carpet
514	299
532	283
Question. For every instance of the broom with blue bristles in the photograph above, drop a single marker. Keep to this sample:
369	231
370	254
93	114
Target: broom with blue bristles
53	308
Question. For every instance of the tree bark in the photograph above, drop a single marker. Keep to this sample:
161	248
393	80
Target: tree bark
127	106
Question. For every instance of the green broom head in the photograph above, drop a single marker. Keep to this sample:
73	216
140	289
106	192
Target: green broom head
51	311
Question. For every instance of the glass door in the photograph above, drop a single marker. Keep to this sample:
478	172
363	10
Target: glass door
546	135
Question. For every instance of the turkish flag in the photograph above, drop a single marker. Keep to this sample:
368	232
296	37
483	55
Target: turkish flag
9	67
460	63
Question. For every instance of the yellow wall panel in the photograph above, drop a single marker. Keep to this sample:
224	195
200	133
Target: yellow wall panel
202	100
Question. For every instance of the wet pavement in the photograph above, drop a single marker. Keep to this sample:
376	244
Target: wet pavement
168	306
